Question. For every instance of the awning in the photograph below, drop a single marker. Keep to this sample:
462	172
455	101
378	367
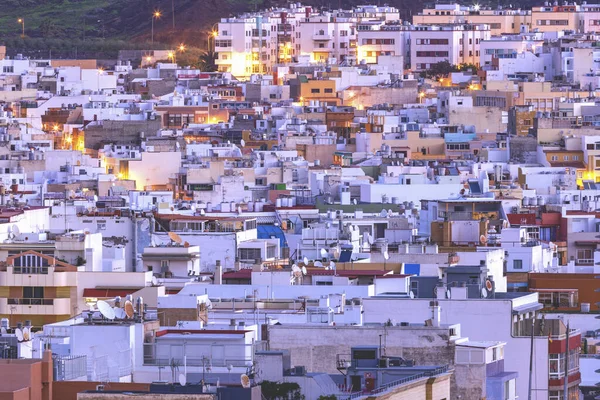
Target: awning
109	293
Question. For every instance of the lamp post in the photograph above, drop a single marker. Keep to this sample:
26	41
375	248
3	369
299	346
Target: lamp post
22	22
100	72
155	15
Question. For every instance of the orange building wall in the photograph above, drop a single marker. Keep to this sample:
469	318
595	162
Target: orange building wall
584	283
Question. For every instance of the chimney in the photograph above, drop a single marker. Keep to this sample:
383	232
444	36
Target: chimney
218	275
436	313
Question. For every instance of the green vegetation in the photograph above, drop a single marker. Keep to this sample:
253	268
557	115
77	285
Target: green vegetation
281	391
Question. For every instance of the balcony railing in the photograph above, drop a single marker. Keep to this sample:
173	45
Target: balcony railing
30	270
31	302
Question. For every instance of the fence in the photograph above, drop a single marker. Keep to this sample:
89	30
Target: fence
67	368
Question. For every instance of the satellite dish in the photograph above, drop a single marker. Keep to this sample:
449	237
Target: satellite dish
303	270
202	211
154	281
245	381
448	294
15	229
317	264
239	210
305	260
119	313
369	238
354	201
3	330
324	253
296	269
19	334
489	286
128	307
145	225
243	143
175	237
95	198
332	265
482	239
105	309
411	295
390	212
182	379
383	214
26	334
386	255
484	292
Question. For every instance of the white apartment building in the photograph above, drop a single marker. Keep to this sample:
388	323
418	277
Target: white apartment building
383	40
325	39
254	44
244	46
457	44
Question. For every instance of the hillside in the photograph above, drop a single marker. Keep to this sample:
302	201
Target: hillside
90	27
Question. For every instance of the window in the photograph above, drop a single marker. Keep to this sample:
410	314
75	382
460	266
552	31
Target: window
8	69
507	390
249	254
553	158
32	295
315	90
517	264
575	158
565	158
328	90
585	256
414	288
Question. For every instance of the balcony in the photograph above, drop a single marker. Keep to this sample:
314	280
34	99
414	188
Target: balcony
319	37
30	306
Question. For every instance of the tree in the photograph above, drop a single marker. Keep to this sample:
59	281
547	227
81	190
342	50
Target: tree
206	61
281	391
439	70
49	27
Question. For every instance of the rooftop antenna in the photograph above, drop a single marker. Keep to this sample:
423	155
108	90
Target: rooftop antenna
105	309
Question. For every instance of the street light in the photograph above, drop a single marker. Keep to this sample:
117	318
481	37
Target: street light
171	56
155	15
181	47
22	22
100	72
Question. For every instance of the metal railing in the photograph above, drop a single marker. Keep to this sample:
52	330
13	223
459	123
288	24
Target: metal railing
396	383
67	368
207	356
31	302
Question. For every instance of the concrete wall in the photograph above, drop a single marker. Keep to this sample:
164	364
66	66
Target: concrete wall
316	347
119	132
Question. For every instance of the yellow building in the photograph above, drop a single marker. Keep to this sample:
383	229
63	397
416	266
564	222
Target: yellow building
500	21
569	159
555	18
37	287
319	90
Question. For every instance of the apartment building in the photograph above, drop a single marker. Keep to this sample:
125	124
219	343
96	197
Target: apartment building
500	20
383	40
457	44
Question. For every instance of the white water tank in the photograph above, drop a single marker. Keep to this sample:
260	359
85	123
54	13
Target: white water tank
525	201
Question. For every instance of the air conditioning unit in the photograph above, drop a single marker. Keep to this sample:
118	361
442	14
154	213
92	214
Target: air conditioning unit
99	388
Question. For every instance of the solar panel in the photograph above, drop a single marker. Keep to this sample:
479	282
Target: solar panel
589	185
345	256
